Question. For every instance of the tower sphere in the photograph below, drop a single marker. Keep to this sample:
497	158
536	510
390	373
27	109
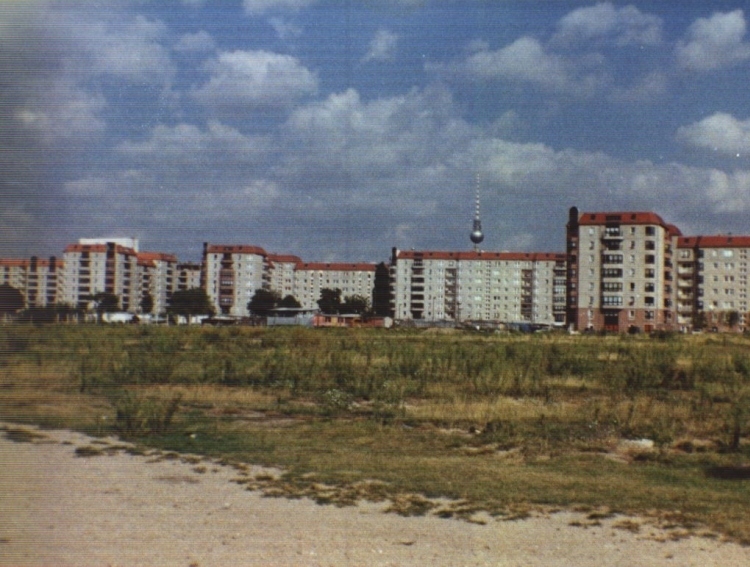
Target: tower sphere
477	236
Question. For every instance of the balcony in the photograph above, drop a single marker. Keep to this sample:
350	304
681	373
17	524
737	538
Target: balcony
612	234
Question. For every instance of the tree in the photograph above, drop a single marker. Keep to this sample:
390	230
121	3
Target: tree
700	320
263	302
330	300
381	293
106	302
147	303
733	319
290	302
358	304
188	302
11	300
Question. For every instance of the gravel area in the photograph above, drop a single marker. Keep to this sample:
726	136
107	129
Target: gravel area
60	507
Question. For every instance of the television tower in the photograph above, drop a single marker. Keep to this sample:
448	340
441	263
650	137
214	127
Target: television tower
477	236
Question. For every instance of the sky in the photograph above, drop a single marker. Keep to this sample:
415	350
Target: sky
338	129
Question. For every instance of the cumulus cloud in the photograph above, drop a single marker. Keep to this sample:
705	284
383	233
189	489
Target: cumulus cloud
62	112
719	132
255	79
285	29
714	43
256	7
195	42
214	150
382	47
527	60
130	47
607	23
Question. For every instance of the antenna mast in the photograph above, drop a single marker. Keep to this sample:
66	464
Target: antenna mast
477	236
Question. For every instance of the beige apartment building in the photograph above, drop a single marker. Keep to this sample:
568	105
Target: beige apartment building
157	278
351	278
187	276
712	286
231	274
101	266
499	287
621	271
39	280
281	268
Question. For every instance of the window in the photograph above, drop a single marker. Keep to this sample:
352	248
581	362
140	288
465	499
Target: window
650	273
650	259
650	245
650	231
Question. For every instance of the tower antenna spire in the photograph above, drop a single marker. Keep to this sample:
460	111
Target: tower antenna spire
477	236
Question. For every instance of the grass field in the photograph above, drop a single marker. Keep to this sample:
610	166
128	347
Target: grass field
500	423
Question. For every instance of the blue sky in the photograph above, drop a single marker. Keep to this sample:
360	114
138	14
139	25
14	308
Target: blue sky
336	129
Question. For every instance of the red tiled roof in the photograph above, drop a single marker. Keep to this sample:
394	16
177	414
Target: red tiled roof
156	257
235	249
622	217
508	256
336	267
717	241
25	262
285	258
98	248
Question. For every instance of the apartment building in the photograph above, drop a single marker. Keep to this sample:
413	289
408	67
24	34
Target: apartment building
281	269
712	281
157	278
351	278
231	274
621	271
39	280
101	266
187	276
500	287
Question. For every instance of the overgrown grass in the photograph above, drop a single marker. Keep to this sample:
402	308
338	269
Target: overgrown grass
496	421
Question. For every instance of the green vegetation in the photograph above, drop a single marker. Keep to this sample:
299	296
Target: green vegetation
500	423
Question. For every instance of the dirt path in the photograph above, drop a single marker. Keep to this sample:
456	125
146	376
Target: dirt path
120	509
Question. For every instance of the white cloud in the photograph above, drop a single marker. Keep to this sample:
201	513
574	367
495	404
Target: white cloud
527	60
255	79
256	7
285	29
382	47
719	132
129	47
196	42
61	112
605	22
186	147
714	43
646	88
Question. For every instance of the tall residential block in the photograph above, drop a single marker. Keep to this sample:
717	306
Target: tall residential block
39	280
231	274
500	287
621	271
157	276
712	281
104	267
351	278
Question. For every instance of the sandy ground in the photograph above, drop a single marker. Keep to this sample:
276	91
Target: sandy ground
57	508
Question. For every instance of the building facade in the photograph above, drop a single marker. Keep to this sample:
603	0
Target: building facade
351	278
105	267
281	268
621	271
499	287
157	279
230	275
712	282
39	280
